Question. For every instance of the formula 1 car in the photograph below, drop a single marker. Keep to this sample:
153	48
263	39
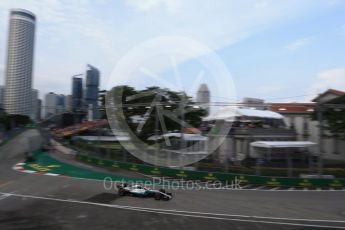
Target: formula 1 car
140	191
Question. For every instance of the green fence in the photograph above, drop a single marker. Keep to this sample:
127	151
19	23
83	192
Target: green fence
216	176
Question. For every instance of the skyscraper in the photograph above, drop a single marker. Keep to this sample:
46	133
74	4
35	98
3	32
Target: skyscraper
20	52
51	101
203	97
91	90
68	103
61	103
77	93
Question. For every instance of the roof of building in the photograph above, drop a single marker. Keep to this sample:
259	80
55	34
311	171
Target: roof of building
332	91
285	108
203	87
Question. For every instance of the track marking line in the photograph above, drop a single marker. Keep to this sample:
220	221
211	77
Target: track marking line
18	168
4	196
52	174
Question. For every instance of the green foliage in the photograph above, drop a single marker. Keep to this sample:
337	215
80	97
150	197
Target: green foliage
102	104
135	103
334	118
9	121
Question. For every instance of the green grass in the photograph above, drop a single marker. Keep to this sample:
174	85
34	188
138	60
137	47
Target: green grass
47	164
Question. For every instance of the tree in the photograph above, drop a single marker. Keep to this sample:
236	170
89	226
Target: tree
102	104
9	121
144	109
334	116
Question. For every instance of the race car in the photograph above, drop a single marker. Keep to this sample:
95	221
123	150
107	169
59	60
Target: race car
140	191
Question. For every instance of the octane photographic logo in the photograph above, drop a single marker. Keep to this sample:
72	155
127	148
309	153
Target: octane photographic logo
159	62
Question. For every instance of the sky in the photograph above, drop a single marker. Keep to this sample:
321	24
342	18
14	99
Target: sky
277	50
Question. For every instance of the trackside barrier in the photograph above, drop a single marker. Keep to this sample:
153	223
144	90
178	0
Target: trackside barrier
216	176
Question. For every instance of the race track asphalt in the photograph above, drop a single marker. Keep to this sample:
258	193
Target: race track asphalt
31	201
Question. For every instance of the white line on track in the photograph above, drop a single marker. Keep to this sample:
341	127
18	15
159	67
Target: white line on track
17	167
4	196
52	174
214	216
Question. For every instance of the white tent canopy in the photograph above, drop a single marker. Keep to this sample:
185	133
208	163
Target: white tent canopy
230	113
282	144
270	146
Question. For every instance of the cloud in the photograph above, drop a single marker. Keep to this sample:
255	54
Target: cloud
146	5
59	20
333	3
299	43
328	79
73	33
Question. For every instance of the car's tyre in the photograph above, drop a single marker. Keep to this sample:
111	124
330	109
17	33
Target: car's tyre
162	190
167	197
158	196
121	192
